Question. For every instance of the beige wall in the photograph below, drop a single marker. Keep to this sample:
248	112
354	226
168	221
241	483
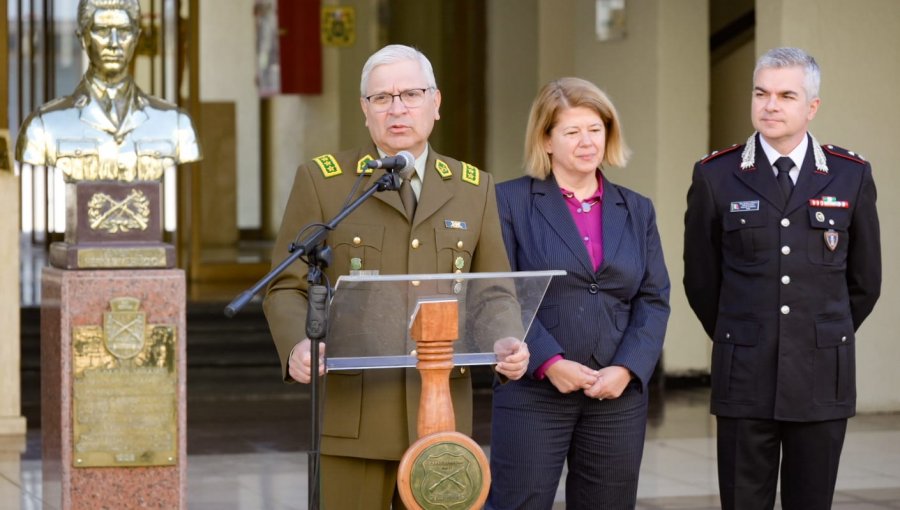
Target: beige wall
855	44
731	80
227	38
682	136
512	82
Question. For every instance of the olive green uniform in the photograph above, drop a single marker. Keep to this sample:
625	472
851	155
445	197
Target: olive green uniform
372	414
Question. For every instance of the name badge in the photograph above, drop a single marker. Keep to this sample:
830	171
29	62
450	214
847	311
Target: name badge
745	205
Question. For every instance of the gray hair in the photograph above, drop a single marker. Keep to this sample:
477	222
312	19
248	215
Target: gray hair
87	8
396	53
793	57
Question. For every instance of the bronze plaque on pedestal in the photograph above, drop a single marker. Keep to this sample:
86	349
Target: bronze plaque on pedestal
124	405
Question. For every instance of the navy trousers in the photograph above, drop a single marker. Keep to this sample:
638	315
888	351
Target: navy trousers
535	430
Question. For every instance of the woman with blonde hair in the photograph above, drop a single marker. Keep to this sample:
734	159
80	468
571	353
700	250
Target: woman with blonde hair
599	331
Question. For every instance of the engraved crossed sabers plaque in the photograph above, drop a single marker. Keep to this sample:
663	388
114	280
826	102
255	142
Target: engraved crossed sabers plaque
111	215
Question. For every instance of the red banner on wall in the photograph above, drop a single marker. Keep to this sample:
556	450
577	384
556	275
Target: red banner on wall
300	46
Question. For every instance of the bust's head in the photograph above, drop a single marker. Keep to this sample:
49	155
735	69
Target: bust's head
109	31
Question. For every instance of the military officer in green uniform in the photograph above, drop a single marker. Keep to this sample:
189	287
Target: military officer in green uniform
369	416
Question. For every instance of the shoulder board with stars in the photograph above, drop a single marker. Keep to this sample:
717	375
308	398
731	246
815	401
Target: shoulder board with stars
361	165
841	152
470	174
715	154
443	169
328	165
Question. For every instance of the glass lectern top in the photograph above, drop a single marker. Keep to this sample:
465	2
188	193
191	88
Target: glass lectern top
370	316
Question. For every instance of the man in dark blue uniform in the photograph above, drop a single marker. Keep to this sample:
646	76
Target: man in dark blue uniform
782	264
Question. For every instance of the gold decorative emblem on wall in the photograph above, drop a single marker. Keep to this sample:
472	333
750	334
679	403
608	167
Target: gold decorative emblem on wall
111	215
338	26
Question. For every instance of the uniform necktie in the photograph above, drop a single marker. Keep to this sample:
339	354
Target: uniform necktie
784	165
407	195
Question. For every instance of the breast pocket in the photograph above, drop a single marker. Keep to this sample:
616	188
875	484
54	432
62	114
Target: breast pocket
153	158
745	239
454	250
829	235
79	159
357	247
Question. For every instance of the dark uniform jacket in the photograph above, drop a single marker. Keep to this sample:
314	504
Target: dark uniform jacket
781	288
372	413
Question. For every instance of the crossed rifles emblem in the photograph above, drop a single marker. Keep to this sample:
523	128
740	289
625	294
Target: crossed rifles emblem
446	476
107	213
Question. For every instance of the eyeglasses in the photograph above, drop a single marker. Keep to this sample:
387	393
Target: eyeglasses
411	98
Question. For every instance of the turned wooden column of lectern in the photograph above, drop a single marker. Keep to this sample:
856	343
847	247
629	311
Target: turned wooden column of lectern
443	468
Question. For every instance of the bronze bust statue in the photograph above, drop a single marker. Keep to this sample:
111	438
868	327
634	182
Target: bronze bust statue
113	144
108	129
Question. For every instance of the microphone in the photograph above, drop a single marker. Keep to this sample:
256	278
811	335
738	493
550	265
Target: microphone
402	160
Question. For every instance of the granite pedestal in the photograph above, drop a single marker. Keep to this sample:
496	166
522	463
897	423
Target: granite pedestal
113	389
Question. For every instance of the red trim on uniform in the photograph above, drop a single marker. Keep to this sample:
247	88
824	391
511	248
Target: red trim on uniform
833	152
719	153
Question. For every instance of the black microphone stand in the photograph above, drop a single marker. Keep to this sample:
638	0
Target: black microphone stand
318	257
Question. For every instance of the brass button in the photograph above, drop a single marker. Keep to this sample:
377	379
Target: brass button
459	244
357	240
785	222
786	250
415	243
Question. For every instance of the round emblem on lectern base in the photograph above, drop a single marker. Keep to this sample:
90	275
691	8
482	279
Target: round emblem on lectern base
444	471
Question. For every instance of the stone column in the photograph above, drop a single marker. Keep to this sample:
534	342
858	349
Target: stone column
11	420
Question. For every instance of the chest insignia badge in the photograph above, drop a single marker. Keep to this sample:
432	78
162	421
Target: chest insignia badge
831	239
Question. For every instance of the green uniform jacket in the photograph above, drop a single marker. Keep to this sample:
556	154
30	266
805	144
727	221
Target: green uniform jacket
372	413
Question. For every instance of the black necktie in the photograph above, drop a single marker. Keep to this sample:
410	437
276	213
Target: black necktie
407	195
784	165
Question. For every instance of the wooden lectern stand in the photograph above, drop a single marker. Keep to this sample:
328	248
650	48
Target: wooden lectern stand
443	469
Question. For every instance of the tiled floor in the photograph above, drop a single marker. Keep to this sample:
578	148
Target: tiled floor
246	453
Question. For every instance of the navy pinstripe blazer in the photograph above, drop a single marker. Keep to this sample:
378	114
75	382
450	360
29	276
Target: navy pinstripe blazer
614	316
